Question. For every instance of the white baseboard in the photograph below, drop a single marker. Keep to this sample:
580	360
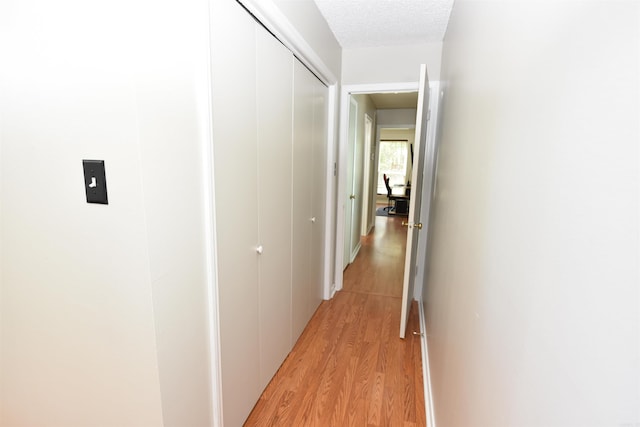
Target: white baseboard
426	376
369	227
354	254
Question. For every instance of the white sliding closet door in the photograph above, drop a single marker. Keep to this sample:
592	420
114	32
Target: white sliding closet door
318	191
309	146
303	94
274	78
269	149
236	177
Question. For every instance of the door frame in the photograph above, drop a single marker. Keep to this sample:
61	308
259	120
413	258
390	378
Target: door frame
351	248
367	182
343	144
429	181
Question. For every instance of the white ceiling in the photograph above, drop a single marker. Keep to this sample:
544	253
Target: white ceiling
395	100
374	23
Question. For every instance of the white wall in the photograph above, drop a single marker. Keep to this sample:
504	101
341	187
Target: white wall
533	292
390	64
399	117
103	308
309	22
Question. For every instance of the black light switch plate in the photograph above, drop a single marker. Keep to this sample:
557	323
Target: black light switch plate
95	182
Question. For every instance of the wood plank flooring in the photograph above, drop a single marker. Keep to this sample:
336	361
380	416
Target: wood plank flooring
349	367
379	267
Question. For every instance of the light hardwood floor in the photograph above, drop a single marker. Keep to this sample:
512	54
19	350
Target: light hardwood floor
349	367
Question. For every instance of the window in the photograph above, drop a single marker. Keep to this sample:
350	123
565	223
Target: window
393	163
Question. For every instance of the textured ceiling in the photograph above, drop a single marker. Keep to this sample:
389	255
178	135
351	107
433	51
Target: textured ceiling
374	23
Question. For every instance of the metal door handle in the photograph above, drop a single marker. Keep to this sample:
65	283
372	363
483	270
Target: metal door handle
259	250
353	196
408	224
313	219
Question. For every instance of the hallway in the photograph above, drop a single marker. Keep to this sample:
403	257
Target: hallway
349	367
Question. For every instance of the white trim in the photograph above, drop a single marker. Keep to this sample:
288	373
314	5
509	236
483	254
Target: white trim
330	192
341	190
381	87
333	291
269	15
426	216
210	242
428	182
210	245
367	185
355	251
426	372
396	126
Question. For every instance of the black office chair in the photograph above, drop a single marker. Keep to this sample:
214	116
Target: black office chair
389	196
400	203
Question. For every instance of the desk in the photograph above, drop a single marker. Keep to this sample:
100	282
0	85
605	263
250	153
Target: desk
401	190
400	201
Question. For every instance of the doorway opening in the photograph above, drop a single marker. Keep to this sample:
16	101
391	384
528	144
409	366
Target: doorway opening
351	160
372	157
380	139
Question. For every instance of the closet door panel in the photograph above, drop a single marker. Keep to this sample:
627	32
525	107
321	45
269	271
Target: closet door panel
235	170
274	79
302	178
318	192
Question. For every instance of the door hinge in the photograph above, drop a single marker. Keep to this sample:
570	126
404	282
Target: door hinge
428	115
335	169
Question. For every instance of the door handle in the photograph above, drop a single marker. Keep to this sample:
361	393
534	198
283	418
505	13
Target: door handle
353	196
408	224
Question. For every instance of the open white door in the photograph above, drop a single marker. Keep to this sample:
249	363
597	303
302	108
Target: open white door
413	222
